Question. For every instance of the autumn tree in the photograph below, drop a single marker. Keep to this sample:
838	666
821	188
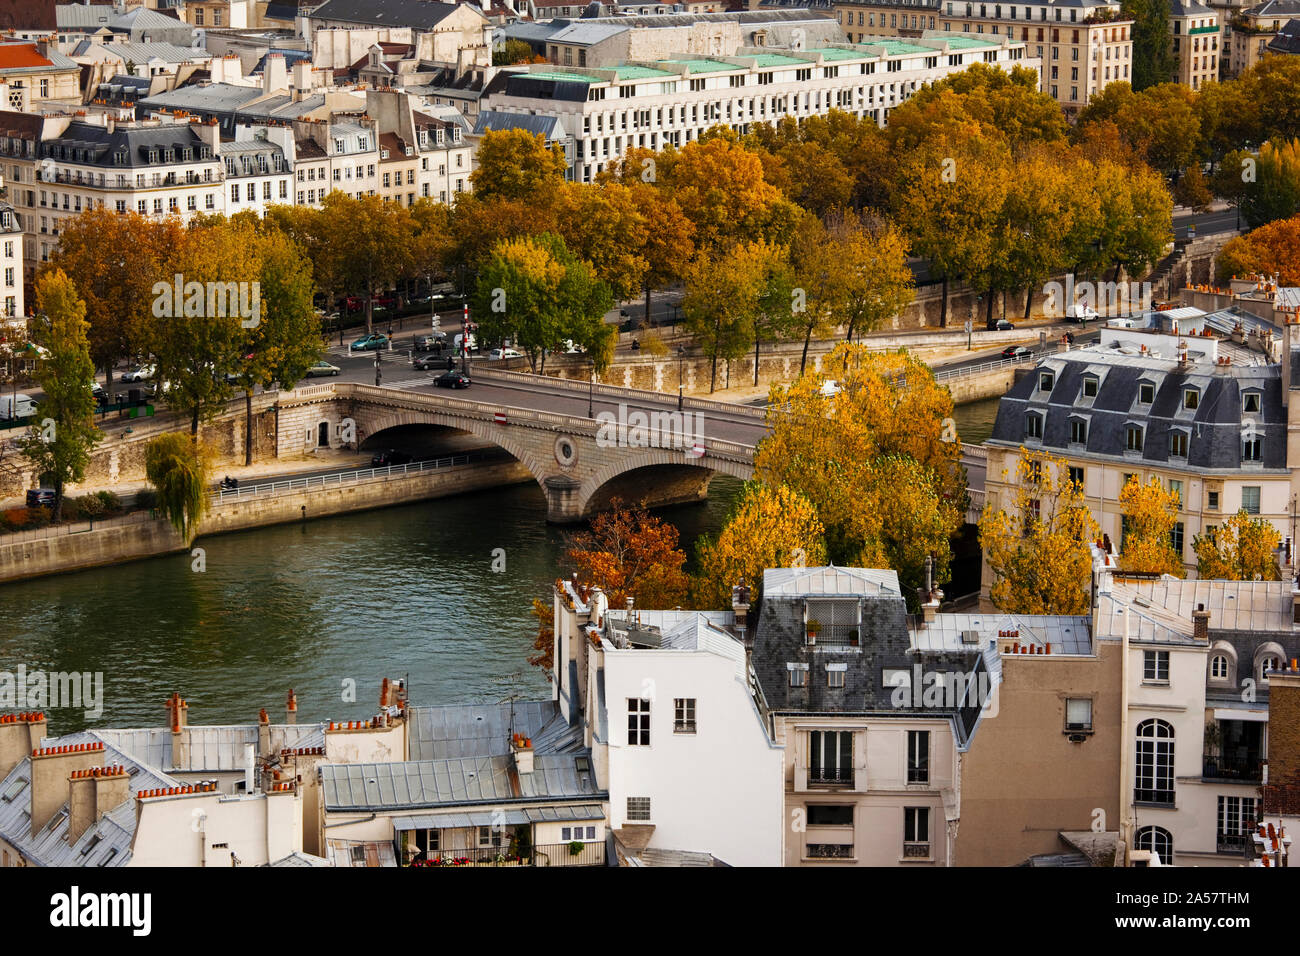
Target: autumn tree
544	642
605	226
1150	513
723	289
873	282
285	340
878	460
1268	250
513	51
1037	543
816	283
369	243
63	432
630	553
432	243
769	527
178	465
1243	548
669	241
113	262
534	292
516	164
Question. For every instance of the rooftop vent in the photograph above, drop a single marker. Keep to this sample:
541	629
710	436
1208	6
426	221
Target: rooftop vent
970	637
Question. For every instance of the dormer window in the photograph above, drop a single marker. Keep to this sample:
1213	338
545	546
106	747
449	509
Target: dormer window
1090	383
153	155
1046	380
1146	393
1250	403
1034	425
1178	441
1191	399
383	154
1078	431
1133	438
1252	448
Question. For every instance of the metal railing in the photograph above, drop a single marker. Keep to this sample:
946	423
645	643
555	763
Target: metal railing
342	478
916	851
830	775
944	374
830	851
76	527
1223	768
548	854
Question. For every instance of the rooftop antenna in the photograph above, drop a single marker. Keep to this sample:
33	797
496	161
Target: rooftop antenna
513	684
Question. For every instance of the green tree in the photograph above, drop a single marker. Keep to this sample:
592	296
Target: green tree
177	466
513	51
723	290
1153	56
873	283
1275	192
64	431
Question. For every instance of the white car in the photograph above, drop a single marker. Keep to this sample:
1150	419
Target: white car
141	373
498	354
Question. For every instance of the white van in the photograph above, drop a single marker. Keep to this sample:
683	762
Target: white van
17	406
473	342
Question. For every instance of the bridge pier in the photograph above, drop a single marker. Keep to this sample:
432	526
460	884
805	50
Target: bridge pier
562	503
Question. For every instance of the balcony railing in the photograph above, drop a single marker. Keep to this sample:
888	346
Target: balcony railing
916	851
837	635
1231	842
840	776
1224	768
830	851
551	854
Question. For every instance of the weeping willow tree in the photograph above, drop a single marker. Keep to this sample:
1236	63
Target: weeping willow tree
177	466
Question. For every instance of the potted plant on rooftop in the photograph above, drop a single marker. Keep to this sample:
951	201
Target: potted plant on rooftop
814	627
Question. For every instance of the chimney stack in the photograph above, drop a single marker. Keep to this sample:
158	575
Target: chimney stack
1201	624
91	794
291	708
178	718
51	768
263	734
522	749
20	734
740	608
275	75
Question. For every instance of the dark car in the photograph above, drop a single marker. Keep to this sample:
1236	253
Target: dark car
391	457
452	379
1015	351
40	498
425	363
430	343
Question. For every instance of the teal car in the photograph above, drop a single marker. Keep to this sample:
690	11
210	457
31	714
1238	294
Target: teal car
375	340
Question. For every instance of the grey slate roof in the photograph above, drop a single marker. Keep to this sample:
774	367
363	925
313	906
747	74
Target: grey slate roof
493	120
107	843
477	730
463	782
1214	427
211	747
1287	40
141	53
134	141
393	13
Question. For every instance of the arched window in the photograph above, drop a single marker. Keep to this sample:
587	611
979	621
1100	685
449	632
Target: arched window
1219	667
1268	656
1269	662
1158	840
1154	778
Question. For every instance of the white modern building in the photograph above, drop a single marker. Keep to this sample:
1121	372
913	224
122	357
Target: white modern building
653	104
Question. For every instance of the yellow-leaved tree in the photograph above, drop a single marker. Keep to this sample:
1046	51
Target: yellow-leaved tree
1149	516
770	527
1038	544
1243	548
876	455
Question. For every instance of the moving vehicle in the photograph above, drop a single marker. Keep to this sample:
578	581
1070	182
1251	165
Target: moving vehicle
452	379
1016	351
1001	325
1081	314
391	457
430	343
40	498
17	406
424	363
375	340
497	354
140	373
322	368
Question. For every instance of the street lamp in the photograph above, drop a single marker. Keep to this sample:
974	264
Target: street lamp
681	355
591	389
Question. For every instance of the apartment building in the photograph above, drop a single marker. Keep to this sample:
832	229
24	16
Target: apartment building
37	72
1082	46
1197	400
424	152
12	304
64	164
259	169
1254	28
1196	42
673	101
1198	660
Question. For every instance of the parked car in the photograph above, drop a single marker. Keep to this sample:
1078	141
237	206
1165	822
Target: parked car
385	301
1016	351
391	457
1001	325
430	343
322	368
17	406
40	497
98	394
140	373
452	379
375	340
430	360
497	354
1081	314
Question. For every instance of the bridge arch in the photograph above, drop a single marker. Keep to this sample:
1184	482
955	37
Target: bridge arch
679	478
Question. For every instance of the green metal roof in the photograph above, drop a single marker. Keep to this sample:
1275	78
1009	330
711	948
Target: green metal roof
641	73
899	48
777	59
966	43
560	76
706	66
833	53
